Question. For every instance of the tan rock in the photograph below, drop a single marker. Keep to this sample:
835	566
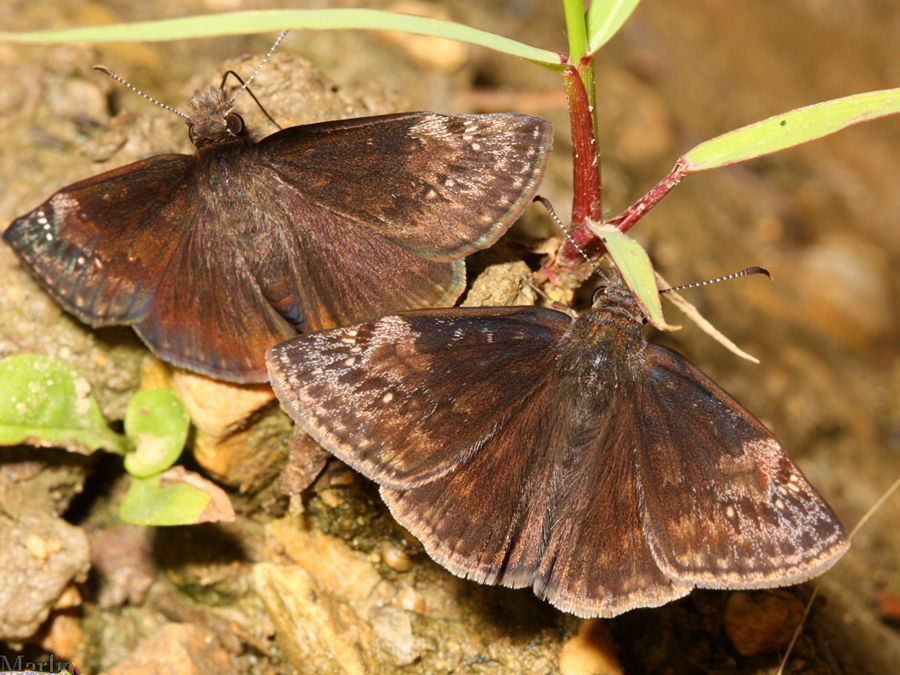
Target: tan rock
318	632
334	566
590	651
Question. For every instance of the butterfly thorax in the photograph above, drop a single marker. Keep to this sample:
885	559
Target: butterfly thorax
606	345
213	119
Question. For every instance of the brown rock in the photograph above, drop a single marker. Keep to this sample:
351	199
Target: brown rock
757	622
122	557
501	283
306	460
44	486
177	649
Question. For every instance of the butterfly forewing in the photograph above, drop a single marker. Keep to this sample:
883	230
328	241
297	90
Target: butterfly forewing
442	186
728	509
406	398
96	245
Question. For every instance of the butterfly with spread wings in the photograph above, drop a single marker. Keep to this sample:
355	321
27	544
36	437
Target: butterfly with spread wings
217	256
528	448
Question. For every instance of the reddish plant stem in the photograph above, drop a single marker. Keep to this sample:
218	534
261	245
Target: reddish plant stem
586	203
629	217
572	261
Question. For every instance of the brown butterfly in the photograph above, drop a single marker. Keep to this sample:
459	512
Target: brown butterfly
217	256
525	447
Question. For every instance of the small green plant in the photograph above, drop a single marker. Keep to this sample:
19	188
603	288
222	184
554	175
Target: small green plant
47	403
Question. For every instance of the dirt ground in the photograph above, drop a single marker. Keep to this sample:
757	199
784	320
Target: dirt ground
824	219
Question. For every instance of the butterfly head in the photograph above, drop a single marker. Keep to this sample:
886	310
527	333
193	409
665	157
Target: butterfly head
613	296
213	119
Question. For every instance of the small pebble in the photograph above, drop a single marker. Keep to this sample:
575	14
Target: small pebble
37	547
395	557
331	498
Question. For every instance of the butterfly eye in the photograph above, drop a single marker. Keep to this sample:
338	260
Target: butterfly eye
599	292
234	123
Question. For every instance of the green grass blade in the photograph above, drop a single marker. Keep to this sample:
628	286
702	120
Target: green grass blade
791	128
605	18
261	21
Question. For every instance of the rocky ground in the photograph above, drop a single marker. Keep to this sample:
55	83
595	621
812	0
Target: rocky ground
324	581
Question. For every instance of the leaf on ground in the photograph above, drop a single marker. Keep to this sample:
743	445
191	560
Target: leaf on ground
45	402
157	422
175	497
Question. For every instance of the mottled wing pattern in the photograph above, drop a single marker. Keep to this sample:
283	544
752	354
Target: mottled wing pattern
407	398
482	449
723	505
548	504
441	186
96	246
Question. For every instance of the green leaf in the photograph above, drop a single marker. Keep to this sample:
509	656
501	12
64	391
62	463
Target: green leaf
634	264
157	422
791	128
262	21
45	402
605	18
149	503
176	497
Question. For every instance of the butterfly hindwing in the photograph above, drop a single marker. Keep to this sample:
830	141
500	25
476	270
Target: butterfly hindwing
724	506
189	325
542	505
338	273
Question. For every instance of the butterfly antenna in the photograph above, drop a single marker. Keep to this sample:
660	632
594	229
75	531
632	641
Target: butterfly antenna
549	207
743	273
252	95
259	67
123	81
